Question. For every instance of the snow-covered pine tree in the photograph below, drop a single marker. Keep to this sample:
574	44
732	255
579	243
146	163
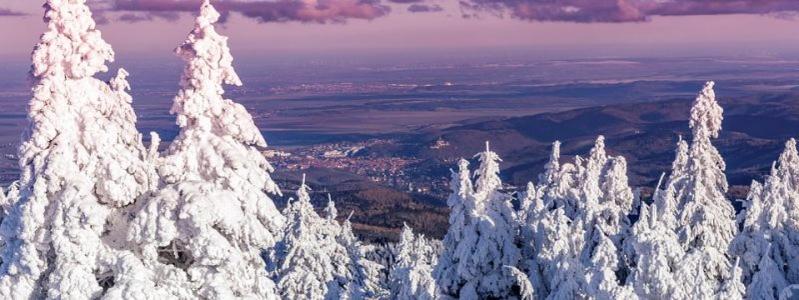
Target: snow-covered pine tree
706	220
654	246
305	264
212	216
693	212
559	257
768	281
411	276
589	182
531	217
733	287
558	182
552	167
80	161
482	234
331	213
605	203
125	171
593	192
601	272
767	245
658	253
343	269
789	243
618	202
667	200
365	281
756	235
538	223
461	204
494	232
356	276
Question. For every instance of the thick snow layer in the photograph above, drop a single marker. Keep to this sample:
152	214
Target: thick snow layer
81	159
212	215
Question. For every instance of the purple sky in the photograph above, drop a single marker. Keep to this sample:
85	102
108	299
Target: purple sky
582	28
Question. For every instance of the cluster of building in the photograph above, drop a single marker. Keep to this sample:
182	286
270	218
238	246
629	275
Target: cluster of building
351	157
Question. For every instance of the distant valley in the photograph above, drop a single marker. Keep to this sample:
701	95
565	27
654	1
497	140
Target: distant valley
410	122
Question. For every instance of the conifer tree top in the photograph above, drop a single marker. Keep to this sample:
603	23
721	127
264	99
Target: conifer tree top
789	164
461	185
681	157
199	104
302	192
598	152
331	213
552	167
706	114
488	172
71	47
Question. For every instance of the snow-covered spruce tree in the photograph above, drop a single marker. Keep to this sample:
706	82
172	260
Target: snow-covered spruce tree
768	281
552	167
558	182
411	276
605	202
706	220
537	218
365	281
667	200
81	159
305	254
692	212
767	245
481	237
733	288
654	246
658	253
461	204
591	199
559	257
758	244
531	216
305	268
340	258
604	263
212	215
494	233
356	276
788	241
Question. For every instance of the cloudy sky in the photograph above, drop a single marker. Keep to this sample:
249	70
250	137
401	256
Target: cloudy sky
579	28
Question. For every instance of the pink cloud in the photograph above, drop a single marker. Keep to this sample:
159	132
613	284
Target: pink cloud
339	11
311	11
4	12
590	11
423	8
